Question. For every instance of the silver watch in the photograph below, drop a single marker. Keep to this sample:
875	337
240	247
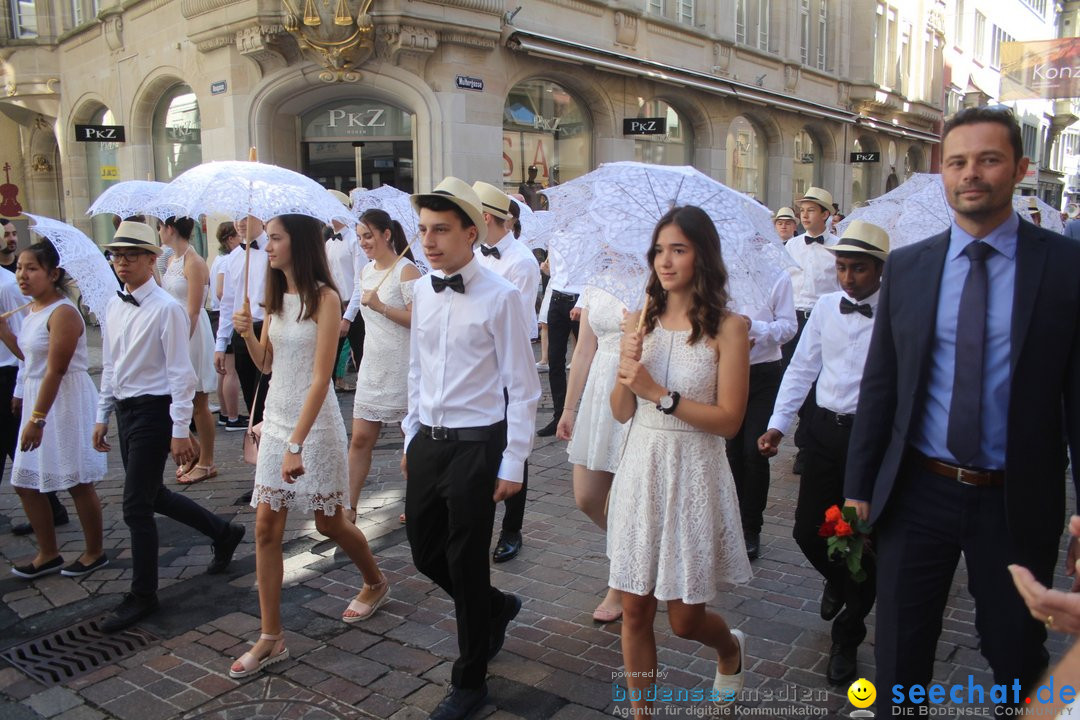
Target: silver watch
295	448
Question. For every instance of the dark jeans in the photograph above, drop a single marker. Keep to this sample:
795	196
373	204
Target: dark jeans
821	486
928	523
248	374
145	431
451	514
748	467
9	429
559	328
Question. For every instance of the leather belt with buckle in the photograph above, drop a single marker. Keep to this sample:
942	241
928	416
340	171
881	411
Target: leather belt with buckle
442	434
962	475
841	419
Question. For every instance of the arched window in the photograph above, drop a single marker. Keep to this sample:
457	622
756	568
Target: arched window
101	172
746	158
177	133
913	161
673	147
546	127
806	164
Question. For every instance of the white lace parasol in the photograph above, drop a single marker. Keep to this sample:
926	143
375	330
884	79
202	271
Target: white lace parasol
83	260
237	188
127	198
602	223
533	225
398	205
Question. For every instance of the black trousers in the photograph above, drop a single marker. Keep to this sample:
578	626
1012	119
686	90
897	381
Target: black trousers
248	374
749	469
9	428
559	328
145	430
821	486
807	409
928	523
448	500
514	516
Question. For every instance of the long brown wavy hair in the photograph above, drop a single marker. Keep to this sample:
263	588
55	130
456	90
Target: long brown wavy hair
310	268
709	292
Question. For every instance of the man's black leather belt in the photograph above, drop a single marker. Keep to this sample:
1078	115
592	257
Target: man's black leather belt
841	419
803	313
139	400
556	294
470	434
965	476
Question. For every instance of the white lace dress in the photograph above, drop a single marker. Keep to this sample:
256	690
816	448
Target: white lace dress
201	347
382	382
598	440
66	456
324	486
673	518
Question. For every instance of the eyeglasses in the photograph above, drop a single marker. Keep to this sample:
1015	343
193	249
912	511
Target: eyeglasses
123	257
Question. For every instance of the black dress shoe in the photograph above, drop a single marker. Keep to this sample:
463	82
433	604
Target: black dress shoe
224	549
29	571
832	601
508	547
799	464
753	545
549	429
511	608
25	529
842	664
460	703
131	610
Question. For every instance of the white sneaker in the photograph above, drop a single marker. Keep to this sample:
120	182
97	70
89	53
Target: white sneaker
729	686
542	367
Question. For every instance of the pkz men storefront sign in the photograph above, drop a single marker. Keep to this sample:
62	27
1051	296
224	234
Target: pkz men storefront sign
1047	69
861	157
644	126
99	133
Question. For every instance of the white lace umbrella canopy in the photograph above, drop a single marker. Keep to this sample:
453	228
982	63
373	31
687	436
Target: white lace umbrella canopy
237	188
83	260
397	204
127	198
533	225
918	209
602	223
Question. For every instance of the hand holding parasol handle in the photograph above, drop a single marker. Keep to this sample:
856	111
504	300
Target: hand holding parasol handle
9	313
400	255
641	317
252	157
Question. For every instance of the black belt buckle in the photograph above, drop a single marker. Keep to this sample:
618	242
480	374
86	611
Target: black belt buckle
440	433
844	419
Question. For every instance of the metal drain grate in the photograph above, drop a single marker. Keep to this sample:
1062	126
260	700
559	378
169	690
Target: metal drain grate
74	651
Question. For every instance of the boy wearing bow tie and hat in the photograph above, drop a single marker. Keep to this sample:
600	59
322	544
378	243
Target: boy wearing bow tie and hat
147	378
466	441
832	353
785	223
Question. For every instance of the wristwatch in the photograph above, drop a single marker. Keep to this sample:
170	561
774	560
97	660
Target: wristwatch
295	448
668	402
40	422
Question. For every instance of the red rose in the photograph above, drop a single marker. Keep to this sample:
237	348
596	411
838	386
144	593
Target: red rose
833	514
843	529
827	530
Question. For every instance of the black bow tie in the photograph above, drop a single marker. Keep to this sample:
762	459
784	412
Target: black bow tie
127	298
254	245
490	251
820	239
454	282
847	307
336	236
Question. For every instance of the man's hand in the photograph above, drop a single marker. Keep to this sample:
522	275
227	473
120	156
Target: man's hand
769	443
405	467
862	508
344	329
182	450
16	406
506	489
219	362
575	314
1072	555
100	429
1058	610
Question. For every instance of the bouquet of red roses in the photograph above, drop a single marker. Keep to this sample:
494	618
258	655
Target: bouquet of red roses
848	539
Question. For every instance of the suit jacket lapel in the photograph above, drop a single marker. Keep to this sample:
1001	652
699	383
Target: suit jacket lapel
1030	259
931	265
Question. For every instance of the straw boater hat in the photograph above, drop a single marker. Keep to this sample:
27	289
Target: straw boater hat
458	192
862	237
494	200
138	235
342	197
819	196
785	213
1033	204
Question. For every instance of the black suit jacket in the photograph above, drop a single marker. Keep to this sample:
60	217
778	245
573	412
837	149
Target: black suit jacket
1044	400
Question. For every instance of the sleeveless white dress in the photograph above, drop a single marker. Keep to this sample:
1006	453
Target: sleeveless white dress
324	486
201	346
673	519
598	439
382	382
66	456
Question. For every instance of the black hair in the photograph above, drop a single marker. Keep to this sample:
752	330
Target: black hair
515	212
46	256
1001	115
380	220
182	225
310	269
439	204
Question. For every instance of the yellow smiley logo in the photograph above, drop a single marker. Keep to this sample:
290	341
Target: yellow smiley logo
862	693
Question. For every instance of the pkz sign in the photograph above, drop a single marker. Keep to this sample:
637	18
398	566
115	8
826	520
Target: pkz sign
99	133
644	126
861	157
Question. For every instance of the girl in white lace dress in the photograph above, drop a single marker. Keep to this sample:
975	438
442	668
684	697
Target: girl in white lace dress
187	278
386	304
59	403
674	532
302	453
596	440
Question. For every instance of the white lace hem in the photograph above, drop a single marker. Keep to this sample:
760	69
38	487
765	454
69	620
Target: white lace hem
50	482
373	413
278	498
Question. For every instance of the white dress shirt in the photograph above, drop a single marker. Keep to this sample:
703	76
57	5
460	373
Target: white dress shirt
11	298
217	269
464	348
816	274
560	280
232	296
517	264
772	324
144	351
346	260
832	350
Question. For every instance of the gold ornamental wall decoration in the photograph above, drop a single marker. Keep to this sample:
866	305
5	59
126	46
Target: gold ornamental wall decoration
335	38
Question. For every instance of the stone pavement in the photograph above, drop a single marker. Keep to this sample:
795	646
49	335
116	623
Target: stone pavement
556	663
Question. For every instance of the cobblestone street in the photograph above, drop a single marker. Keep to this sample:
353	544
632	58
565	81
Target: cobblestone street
556	662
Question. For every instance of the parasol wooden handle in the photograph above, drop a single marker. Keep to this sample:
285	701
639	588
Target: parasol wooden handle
11	312
400	255
252	157
641	317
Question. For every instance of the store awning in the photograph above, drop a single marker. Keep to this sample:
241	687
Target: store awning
568	51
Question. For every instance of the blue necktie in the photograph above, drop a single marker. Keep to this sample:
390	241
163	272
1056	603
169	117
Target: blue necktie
964	437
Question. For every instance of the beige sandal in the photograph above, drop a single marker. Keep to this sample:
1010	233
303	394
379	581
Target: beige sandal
364	610
182	470
190	477
247	664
